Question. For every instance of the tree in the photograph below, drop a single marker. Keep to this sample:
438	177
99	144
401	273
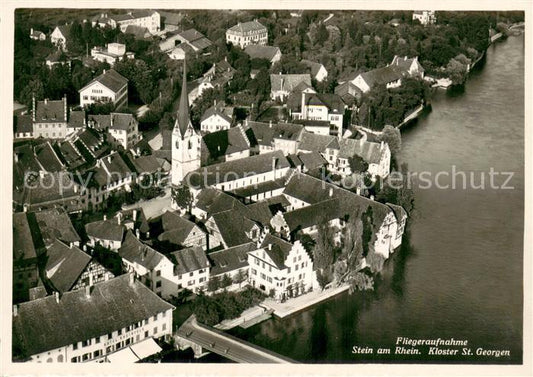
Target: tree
226	281
213	284
182	197
322	35
392	136
323	251
457	71
33	89
240	277
357	164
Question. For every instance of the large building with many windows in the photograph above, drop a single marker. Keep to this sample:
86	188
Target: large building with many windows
247	33
110	86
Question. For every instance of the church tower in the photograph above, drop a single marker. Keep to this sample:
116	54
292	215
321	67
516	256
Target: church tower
186	141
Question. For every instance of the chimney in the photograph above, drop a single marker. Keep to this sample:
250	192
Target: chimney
88	291
119	218
274	164
106	277
330	192
16	157
84	247
269	246
138	233
109	158
148	234
358	190
56	295
134	215
105	217
70	245
132	278
15	310
215	103
371	197
104	72
46	101
31	30
382	145
270	124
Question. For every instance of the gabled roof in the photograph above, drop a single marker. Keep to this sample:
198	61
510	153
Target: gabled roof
314	66
230	259
212	200
189	260
214	110
23	123
77	119
381	76
311	142
279	251
233	225
71	155
226	142
111	79
191	35
51	111
315	214
55	224
171	18
287	82
23	245
43	324
235	169
139	32
105	230
264	210
265	133
116	166
312	160
370	152
333	102
122	121
48	158
176	228
65	30
245	27
64	265
262	52
135	251
147	164
404	63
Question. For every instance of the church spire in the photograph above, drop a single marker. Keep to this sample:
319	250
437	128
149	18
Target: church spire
183	110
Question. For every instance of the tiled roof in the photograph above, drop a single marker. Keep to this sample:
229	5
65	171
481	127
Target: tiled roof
135	251
191	35
65	30
176	228
230	259
370	152
146	164
116	166
121	121
51	111
171	18
64	265
70	155
264	210
55	224
139	32
381	76
105	230
311	142
404	63
212	200
43	324
235	169
47	157
23	246
111	79
312	160
23	123
333	102
262	52
265	133
258	188
287	82
314	66
233	226
245	27
100	121
279	251
189	260
214	110
54	187
315	214
76	119
226	142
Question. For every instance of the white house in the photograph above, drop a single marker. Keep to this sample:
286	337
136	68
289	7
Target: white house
270	53
111	54
425	17
281	269
108	233
148	19
317	70
50	119
124	130
281	85
247	33
110	86
59	36
216	119
69	328
318	106
37	35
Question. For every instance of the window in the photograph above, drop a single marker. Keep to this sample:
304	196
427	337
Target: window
146	334
155	330
120	332
158	284
164	327
75	346
191	274
97	353
158	273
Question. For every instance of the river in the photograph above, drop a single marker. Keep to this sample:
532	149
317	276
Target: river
459	273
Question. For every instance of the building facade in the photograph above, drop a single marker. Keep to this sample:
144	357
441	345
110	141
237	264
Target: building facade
247	33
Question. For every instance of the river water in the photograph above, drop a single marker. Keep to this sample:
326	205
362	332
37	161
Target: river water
459	273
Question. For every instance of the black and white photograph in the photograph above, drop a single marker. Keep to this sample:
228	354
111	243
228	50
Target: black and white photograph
195	186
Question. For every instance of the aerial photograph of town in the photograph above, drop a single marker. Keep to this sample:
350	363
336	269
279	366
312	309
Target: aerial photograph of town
268	186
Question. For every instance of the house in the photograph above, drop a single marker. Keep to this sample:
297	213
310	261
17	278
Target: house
60	35
270	137
68	268
239	173
181	232
349	93
216	118
262	211
311	162
339	152
37	35
335	205
110	86
48	158
138	32
220	73
50	118
194	39
151	20
425	17
76	121
318	106
317	70
210	201
232	262
69	327
281	269
247	33
27	248
410	67
179	52
107	233
168	42
112	53
270	53
124	130
56	58
232	228
225	145
103	20
191	268
72	157
281	85
54	224
170	20
197	88
23	125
